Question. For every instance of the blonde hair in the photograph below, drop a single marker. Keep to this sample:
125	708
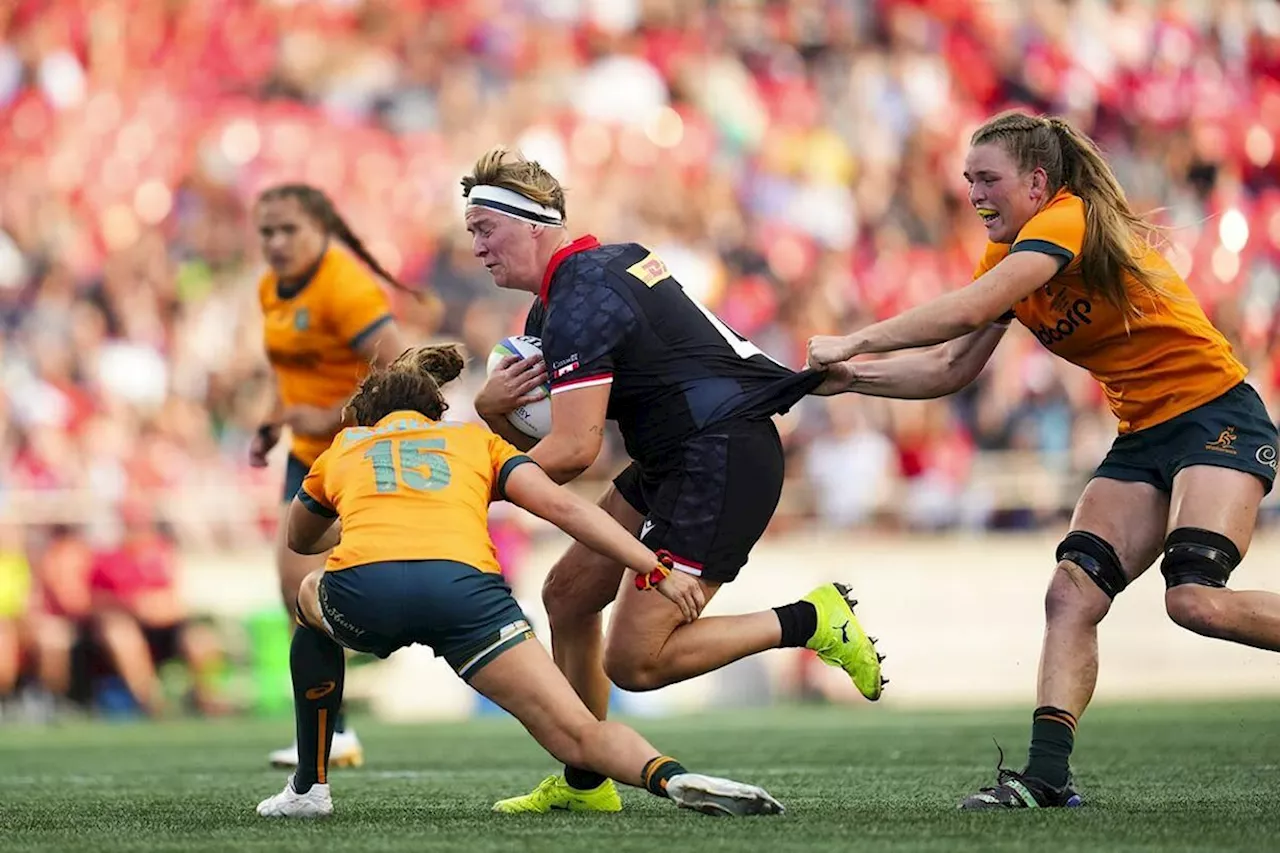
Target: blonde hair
1115	238
412	382
502	167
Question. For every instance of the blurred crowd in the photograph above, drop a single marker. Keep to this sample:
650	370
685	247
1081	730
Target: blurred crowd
796	163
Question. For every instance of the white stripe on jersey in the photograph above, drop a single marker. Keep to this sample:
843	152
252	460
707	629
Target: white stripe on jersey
588	382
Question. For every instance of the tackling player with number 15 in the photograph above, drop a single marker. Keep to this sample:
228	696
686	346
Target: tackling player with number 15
402	498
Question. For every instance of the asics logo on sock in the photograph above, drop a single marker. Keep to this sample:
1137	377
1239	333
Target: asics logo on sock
1077	315
321	691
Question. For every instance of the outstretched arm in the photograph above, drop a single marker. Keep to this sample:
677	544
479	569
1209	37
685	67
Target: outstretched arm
918	374
528	487
946	318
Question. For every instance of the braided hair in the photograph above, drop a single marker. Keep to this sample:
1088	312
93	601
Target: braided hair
320	207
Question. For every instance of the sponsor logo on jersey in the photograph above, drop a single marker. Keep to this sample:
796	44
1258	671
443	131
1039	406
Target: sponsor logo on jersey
565	366
1074	317
650	270
302	319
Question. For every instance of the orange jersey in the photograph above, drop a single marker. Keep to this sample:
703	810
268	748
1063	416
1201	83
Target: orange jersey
311	336
1169	360
411	488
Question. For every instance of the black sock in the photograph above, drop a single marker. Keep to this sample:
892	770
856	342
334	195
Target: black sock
1053	734
657	771
798	621
318	667
583	780
340	719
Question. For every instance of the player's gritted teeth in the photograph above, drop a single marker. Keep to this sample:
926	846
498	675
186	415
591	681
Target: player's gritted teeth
989	215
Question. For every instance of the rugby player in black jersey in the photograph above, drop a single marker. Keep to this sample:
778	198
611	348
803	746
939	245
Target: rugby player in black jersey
694	401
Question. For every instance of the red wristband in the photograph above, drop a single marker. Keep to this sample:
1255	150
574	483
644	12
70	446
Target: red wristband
657	574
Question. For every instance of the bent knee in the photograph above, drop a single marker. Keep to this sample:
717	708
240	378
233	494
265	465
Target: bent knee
1197	608
308	601
1073	596
634	673
575	592
583	744
310	586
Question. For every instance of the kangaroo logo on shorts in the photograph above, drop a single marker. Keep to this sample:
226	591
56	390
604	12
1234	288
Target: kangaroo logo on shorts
1267	456
1223	443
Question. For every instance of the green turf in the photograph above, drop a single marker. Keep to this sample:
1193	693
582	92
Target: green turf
1185	777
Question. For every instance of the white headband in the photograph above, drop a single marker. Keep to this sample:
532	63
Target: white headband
513	204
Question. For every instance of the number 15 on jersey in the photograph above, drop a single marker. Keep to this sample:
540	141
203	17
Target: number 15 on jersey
412	463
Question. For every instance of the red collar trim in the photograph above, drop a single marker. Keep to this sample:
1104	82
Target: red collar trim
582	244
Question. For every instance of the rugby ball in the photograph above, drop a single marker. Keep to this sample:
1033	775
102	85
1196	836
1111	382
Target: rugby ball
533	419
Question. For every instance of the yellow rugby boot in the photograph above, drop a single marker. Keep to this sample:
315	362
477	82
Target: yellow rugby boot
555	794
840	641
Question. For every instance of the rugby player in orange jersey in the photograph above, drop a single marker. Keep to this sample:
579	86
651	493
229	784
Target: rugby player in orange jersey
325	320
403	498
1196	450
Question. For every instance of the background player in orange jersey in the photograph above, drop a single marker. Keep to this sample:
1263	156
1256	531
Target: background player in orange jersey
1196	451
405	500
325	320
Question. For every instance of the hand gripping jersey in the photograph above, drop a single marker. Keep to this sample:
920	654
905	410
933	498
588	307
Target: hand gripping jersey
615	314
411	488
311	335
1168	361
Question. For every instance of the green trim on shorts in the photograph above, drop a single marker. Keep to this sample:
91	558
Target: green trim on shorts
480	655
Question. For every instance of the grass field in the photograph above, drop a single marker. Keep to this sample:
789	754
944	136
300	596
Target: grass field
1165	777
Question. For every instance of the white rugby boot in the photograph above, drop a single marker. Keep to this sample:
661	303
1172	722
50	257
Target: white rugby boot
714	796
316	802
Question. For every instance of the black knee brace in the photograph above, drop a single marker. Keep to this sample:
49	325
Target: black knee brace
1097	558
1201	557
